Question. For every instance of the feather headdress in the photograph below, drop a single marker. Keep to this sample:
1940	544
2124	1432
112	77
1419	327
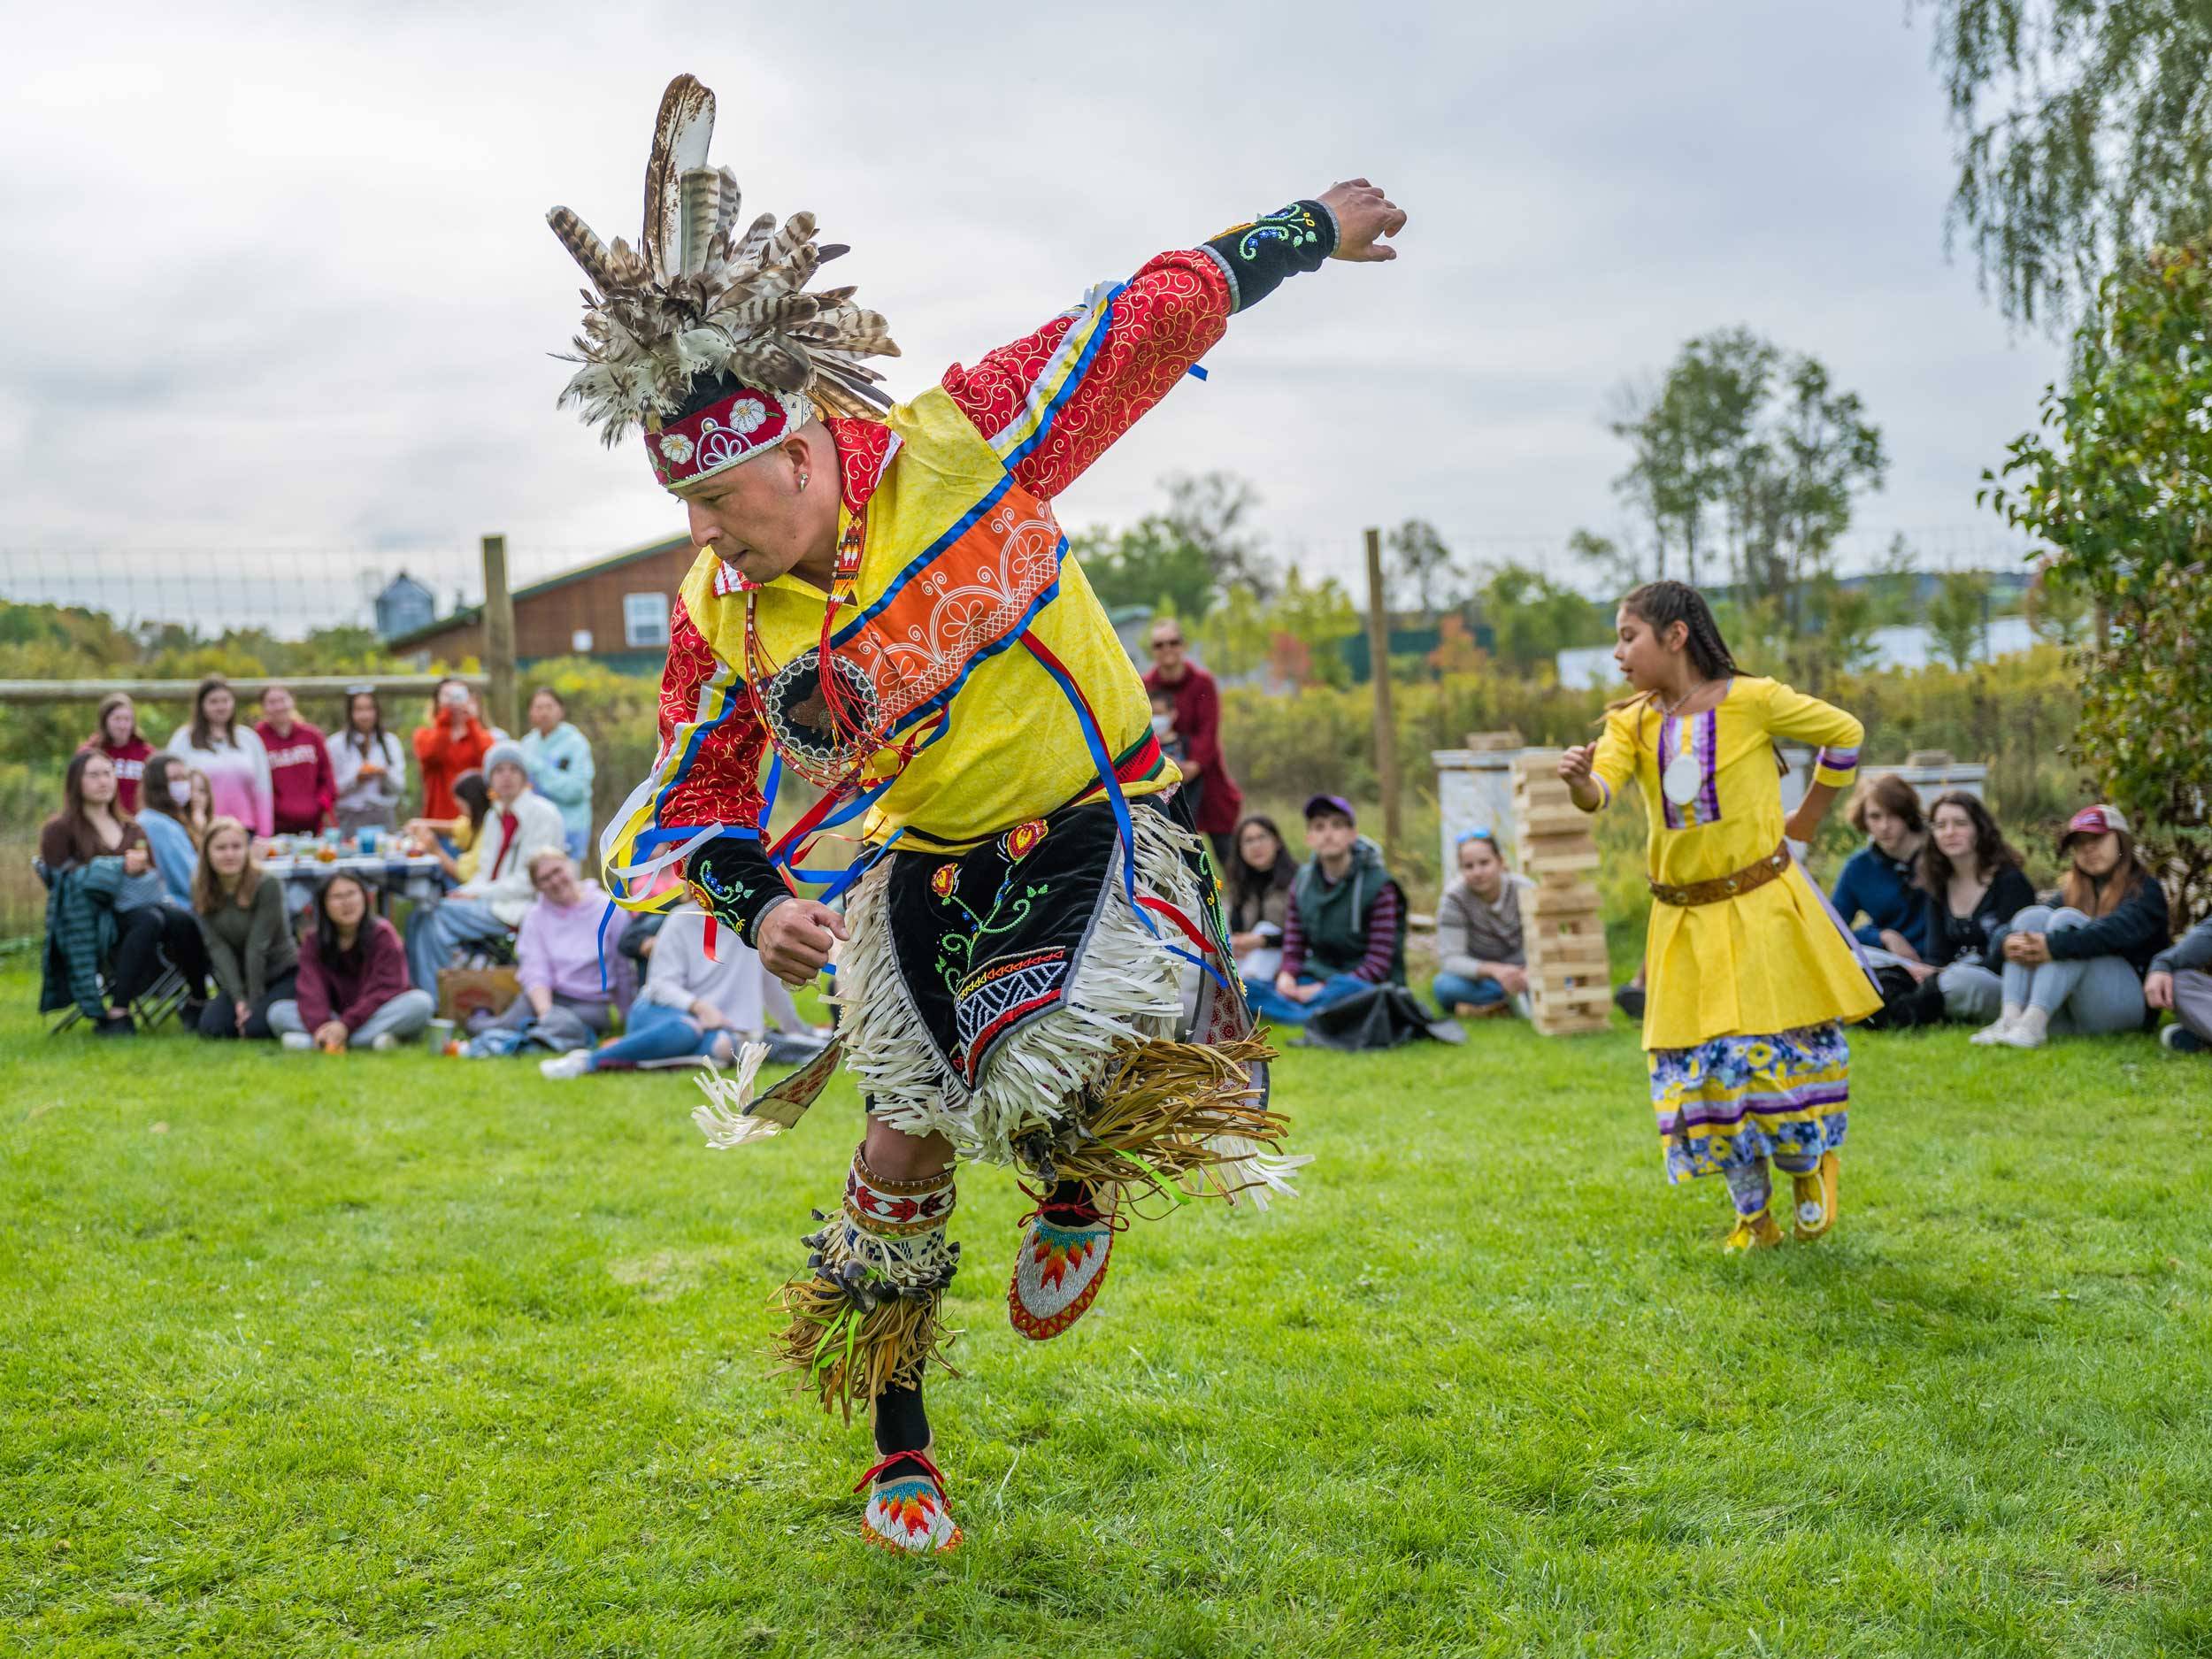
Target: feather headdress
701	304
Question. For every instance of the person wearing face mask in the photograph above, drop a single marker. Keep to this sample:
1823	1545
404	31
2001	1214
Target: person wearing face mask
167	793
491	903
2078	966
231	755
1880	881
1482	962
116	734
302	787
106	907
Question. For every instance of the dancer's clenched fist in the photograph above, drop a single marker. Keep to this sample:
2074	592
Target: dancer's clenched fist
796	939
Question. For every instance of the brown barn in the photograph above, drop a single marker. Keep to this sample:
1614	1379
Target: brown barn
614	610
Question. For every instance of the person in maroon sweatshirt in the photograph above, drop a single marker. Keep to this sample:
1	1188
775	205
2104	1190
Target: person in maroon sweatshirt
352	989
117	737
300	776
1217	800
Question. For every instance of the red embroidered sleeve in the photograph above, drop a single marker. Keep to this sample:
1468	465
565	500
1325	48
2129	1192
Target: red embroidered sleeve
1164	318
716	779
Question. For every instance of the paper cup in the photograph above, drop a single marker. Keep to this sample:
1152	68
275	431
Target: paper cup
437	1034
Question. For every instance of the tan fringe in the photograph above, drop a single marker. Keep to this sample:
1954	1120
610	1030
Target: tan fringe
896	1341
1171	1114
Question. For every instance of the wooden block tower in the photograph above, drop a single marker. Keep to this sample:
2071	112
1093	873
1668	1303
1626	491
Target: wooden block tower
1570	987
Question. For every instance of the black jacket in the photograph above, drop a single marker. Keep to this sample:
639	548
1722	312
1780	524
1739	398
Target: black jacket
2135	932
1967	938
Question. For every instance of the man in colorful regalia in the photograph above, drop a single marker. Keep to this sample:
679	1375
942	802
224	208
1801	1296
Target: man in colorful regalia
1034	968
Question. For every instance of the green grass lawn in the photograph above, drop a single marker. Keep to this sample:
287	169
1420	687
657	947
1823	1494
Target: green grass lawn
395	1354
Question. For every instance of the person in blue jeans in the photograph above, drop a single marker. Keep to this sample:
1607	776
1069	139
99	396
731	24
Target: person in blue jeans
1346	930
695	1006
1482	964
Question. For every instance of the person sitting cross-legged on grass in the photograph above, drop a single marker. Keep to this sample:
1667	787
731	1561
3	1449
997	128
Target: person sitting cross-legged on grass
1482	963
566	1001
248	936
694	1005
352	989
2079	967
1256	895
1344	934
491	902
2180	980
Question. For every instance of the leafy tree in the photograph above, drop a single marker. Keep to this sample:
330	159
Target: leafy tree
1151	563
2116	479
1956	615
1534	619
2056	607
2084	128
1212	512
1747	451
1893	584
1318	617
1419	561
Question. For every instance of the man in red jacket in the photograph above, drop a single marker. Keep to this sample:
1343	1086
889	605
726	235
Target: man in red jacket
300	775
1217	800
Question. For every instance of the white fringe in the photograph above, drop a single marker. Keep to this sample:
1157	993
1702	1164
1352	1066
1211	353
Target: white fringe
1128	987
725	1119
1248	1170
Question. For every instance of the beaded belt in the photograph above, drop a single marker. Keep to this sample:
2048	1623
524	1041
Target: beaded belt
1725	887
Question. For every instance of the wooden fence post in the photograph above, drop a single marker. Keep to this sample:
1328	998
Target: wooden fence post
1378	667
499	636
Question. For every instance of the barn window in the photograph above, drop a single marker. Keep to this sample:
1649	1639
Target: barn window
644	619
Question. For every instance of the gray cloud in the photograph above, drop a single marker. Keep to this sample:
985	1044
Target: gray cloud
291	284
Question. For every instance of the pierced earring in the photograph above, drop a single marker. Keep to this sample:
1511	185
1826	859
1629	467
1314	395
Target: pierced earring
802	481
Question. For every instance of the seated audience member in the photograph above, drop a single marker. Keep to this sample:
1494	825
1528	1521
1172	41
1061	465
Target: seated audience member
199	807
566	1001
691	1005
116	734
302	786
367	766
249	935
165	793
2180	980
1971	884
1344	931
1260	880
352	989
559	759
1880	881
2079	968
452	841
1482	964
106	907
493	897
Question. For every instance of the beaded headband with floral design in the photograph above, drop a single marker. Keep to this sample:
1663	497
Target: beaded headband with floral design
699	304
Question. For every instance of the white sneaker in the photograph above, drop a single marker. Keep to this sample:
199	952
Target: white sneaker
2028	1031
298	1041
575	1063
384	1042
1998	1033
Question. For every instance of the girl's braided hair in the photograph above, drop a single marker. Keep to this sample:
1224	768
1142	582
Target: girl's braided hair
1663	604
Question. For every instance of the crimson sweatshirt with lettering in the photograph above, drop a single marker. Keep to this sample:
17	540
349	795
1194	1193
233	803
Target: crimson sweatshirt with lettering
300	777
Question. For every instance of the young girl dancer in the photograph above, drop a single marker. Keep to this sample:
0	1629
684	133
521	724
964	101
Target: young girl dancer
1749	975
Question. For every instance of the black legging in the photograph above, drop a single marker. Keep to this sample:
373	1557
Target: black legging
219	1017
142	938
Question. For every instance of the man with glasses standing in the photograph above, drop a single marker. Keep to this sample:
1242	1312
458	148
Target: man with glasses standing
1216	801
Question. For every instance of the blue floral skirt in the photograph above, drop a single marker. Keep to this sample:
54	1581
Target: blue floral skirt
1733	1100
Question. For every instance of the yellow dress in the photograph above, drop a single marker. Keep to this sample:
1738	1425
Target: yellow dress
1744	999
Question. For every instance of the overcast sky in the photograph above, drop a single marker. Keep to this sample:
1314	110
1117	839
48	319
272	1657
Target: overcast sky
281	278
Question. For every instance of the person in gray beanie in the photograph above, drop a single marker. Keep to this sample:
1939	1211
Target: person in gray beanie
491	903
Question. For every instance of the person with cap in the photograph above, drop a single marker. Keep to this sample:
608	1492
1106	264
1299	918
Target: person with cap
1346	930
492	902
883	600
2078	966
1482	963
